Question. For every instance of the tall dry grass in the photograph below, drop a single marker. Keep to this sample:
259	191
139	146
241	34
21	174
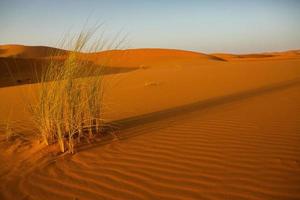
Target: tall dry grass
68	107
6	126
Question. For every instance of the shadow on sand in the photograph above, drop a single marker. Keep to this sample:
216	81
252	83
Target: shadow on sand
118	130
20	71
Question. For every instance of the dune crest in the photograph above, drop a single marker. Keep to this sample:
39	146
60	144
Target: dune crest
22	51
292	54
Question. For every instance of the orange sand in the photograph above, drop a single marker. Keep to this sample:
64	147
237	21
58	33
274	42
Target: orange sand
190	126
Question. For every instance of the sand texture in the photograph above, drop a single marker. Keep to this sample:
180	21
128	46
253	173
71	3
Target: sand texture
187	125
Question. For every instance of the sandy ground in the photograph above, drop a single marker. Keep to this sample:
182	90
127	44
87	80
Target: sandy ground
188	126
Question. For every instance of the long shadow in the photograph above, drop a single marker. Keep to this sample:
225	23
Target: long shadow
184	109
20	71
140	120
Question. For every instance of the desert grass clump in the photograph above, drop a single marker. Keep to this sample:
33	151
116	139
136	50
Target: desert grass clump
68	106
6	127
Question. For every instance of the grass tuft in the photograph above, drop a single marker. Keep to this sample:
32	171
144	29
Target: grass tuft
68	107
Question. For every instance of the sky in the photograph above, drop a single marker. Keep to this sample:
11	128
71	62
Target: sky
242	26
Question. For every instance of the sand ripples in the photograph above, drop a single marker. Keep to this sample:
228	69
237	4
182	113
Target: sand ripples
231	151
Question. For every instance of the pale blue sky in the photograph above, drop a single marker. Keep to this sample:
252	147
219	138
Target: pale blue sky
237	26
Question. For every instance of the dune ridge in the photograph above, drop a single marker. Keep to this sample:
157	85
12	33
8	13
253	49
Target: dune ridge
145	54
22	51
291	54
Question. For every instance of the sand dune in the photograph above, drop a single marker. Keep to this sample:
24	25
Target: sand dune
147	54
153	57
21	51
293	54
186	126
20	71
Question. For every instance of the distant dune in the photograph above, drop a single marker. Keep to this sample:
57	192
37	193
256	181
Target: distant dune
21	51
19	64
187	125
145	55
263	56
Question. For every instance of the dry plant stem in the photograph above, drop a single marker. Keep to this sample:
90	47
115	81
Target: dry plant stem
69	107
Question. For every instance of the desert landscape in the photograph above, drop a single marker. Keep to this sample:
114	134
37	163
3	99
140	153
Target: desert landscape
154	100
187	125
